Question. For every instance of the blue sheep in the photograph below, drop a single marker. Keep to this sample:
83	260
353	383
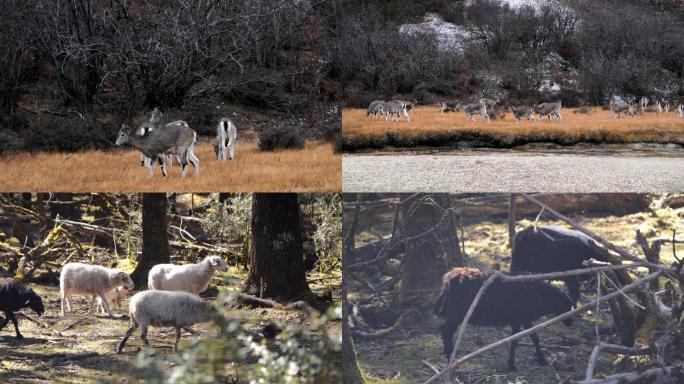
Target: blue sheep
517	304
14	296
553	249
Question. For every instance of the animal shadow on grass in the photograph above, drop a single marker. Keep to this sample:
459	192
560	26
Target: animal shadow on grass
25	341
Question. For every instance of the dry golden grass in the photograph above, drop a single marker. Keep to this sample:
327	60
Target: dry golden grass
596	127
315	168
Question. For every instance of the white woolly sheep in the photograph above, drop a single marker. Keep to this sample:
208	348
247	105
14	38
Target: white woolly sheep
180	310
91	280
114	298
193	278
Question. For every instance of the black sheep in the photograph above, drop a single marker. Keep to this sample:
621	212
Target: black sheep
14	296
554	249
517	304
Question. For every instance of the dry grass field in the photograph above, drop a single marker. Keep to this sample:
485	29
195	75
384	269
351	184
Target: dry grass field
430	127
314	168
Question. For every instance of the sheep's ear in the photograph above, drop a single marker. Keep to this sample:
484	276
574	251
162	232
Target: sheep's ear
214	261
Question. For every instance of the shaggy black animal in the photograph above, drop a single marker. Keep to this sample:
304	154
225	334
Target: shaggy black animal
553	249
517	304
15	296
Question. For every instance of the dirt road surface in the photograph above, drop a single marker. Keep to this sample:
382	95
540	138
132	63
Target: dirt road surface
474	171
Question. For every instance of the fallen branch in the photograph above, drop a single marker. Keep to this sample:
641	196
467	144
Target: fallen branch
257	302
545	324
654	375
611	348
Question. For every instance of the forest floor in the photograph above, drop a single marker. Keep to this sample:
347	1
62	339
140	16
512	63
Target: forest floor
80	348
431	128
314	168
397	358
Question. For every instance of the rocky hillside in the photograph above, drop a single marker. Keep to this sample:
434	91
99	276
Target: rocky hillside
524	51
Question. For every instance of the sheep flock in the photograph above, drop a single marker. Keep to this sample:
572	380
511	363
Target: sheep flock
171	301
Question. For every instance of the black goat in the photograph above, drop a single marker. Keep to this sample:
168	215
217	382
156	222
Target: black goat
553	249
517	304
14	296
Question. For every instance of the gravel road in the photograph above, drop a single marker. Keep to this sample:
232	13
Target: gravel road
473	171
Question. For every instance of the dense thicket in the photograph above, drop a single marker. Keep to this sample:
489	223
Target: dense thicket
590	49
83	59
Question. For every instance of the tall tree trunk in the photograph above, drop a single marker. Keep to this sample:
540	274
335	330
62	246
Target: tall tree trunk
351	372
155	237
428	230
276	261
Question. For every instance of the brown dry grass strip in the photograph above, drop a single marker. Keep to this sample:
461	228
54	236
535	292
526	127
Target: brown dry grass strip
597	126
312	169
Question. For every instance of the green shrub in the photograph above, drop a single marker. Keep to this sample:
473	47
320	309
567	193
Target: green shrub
299	354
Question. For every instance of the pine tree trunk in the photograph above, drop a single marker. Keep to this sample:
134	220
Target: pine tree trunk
428	230
276	261
155	237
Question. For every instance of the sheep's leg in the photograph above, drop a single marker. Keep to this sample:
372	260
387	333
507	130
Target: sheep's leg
189	329
515	328
194	160
162	163
151	167
535	339
10	315
232	149
447	329
65	303
4	321
62	302
105	304
143	335
573	288
128	334
184	161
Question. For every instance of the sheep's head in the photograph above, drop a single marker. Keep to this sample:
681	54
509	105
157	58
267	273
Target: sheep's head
35	303
121	279
124	133
217	263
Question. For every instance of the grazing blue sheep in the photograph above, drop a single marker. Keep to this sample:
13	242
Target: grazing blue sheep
554	249
517	304
14	296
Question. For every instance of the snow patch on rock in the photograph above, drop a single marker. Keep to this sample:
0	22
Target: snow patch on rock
449	36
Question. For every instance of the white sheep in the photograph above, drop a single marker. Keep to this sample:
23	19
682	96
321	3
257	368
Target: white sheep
114	298
91	280
193	278
180	310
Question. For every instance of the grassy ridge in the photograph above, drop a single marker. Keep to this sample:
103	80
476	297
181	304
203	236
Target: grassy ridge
431	128
314	168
